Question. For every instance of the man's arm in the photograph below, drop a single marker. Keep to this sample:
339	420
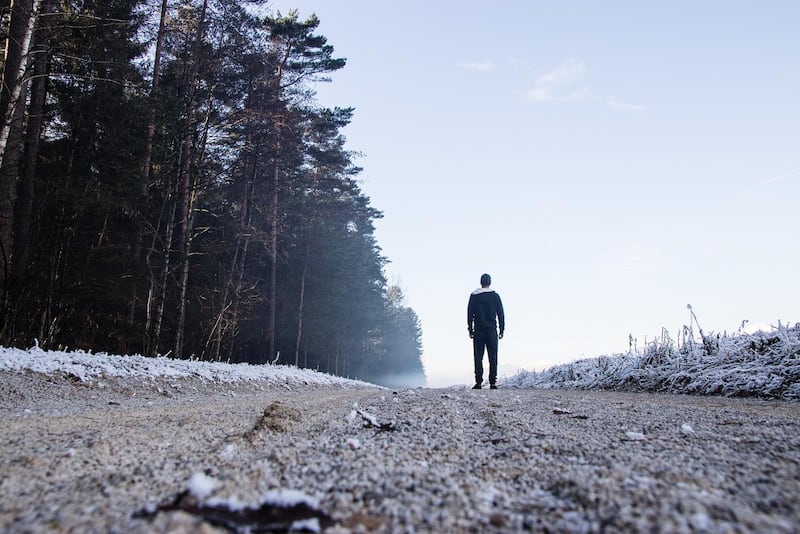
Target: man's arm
470	316
501	316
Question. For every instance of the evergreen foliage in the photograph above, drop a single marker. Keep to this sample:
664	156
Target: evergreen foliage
190	197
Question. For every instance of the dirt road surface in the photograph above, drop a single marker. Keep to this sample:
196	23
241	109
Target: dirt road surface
118	456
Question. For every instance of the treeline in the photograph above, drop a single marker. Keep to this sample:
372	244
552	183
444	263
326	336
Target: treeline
169	186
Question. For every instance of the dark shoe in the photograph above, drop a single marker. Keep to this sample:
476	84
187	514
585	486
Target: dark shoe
476	386
493	386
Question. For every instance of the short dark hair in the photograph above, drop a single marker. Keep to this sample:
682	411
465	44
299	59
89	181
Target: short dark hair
486	280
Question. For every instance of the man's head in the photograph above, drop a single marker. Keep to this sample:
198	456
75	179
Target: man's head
486	280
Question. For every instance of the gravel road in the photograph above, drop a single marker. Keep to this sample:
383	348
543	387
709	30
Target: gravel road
117	456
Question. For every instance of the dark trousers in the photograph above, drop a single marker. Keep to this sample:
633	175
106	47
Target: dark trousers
485	340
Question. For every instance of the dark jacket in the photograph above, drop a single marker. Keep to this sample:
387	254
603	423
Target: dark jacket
484	310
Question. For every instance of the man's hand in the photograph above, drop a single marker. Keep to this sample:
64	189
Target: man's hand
501	335
471	334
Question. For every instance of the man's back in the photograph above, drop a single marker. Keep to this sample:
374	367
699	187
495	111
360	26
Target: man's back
484	308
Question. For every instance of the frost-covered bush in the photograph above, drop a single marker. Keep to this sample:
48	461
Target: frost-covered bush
761	364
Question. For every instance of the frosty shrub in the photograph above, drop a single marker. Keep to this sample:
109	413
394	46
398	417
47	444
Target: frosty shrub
761	364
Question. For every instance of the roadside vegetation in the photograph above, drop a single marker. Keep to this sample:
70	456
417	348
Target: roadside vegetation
740	364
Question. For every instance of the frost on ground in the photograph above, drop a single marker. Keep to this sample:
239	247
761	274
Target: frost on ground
97	443
88	367
92	459
762	364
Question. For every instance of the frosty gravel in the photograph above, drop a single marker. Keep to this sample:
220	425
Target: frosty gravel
119	453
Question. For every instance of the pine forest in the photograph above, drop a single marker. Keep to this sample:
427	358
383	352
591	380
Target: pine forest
170	186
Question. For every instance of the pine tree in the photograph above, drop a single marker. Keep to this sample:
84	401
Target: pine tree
199	205
297	56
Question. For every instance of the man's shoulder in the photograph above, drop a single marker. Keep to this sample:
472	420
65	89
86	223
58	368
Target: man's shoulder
481	291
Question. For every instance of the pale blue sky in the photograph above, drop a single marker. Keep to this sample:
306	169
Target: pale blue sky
607	163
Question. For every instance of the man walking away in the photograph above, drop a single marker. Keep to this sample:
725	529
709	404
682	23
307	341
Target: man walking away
484	312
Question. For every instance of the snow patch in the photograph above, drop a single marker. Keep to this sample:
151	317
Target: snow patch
86	367
201	486
287	498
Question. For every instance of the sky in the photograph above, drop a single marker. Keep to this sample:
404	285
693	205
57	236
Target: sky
608	163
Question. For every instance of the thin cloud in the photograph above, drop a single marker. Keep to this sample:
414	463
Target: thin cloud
568	82
480	66
565	83
569	72
624	106
778	178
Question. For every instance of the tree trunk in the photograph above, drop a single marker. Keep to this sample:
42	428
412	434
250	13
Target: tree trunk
144	169
229	305
159	317
273	257
300	310
243	242
184	283
336	361
8	200
24	14
151	276
186	182
273	227
25	187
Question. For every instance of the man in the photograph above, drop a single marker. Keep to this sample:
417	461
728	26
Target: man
484	312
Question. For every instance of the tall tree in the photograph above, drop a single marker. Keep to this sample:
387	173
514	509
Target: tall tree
186	181
83	172
23	209
147	156
22	21
297	55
